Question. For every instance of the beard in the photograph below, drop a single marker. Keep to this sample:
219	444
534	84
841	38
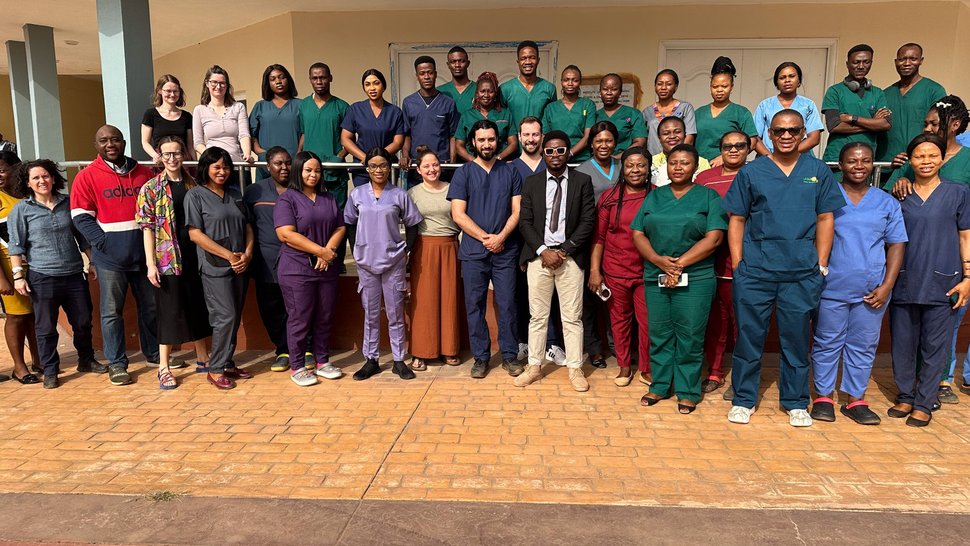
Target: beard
487	155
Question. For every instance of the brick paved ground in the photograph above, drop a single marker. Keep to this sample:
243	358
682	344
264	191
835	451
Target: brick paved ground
447	437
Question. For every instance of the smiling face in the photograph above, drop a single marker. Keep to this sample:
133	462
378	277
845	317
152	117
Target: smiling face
311	174
458	65
734	150
926	160
856	166
379	170
110	144
170	94
528	61
373	87
681	167
217	84
530	137
721	87
486	93
172	155
787	131
611	88
485	143
40	181
279	168
429	168
219	173
665	86
908	60
636	168
427	74
320	80
555	153
859	64
279	83
603	145
671	134
788	81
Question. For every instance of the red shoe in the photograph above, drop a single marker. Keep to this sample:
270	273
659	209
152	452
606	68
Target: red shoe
223	382
237	373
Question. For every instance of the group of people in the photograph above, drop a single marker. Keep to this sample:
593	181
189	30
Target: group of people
664	234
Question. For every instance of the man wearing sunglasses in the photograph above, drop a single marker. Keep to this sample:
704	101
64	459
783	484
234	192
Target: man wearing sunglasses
855	110
780	236
556	220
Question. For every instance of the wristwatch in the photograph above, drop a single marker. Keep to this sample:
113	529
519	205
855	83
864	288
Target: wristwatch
824	270
854	120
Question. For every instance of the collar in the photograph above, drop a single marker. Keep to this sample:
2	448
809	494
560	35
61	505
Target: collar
551	178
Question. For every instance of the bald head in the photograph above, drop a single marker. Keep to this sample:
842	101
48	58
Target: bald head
110	144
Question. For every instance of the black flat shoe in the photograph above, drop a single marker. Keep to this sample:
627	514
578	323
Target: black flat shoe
29	379
4	377
598	363
914	422
369	369
897	414
402	370
710	385
823	409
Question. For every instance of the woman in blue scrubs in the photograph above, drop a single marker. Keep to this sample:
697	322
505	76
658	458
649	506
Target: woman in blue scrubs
933	282
867	252
788	78
372	123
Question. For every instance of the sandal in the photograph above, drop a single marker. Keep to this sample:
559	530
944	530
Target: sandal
451	360
418	365
166	381
28	379
711	384
823	409
686	409
859	412
647	400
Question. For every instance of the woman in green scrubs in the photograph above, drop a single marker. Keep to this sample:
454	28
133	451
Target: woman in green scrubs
628	121
722	116
573	114
486	105
676	232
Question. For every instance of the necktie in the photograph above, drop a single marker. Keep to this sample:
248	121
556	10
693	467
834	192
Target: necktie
556	205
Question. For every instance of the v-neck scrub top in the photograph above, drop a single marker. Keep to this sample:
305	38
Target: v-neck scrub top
675	225
276	126
932	263
909	111
603	179
222	219
781	212
431	124
629	124
522	103
772	105
372	132
502	119
379	245
572	121
857	263
710	129
488	196
845	101
316	220
321	135
463	100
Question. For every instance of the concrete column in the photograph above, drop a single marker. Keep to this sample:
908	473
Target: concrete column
45	97
127	74
20	93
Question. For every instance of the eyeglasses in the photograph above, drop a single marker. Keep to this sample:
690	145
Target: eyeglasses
216	84
727	146
780	131
170	91
376	168
559	150
171	155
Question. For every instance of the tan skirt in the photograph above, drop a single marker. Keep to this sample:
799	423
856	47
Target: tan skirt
436	305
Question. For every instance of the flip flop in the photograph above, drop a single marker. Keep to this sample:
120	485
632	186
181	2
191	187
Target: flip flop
418	365
451	360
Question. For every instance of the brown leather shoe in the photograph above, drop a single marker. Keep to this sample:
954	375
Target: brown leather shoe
223	382
237	373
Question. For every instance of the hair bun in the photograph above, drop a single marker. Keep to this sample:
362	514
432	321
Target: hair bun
723	65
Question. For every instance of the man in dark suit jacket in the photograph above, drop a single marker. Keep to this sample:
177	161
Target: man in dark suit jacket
556	219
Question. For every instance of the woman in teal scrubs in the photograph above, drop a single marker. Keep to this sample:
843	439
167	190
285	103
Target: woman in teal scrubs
275	120
486	105
628	121
572	114
722	115
677	230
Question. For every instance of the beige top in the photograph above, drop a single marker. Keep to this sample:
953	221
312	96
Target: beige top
436	209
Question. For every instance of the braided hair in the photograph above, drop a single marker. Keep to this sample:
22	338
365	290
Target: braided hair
491	78
950	108
620	187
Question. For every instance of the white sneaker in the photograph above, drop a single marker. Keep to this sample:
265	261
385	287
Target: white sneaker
556	355
303	377
740	415
328	371
523	352
799	418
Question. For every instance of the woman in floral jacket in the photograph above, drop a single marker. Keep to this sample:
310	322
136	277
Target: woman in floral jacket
172	262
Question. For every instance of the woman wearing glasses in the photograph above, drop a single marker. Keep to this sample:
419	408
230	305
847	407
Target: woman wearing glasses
165	117
378	209
788	78
221	121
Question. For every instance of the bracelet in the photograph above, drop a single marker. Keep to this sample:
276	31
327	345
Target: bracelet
20	278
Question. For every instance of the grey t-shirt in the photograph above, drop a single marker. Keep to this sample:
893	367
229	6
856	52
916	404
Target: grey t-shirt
436	209
222	219
602	179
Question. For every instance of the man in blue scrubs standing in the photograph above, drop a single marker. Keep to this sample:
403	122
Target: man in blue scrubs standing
485	196
780	235
430	118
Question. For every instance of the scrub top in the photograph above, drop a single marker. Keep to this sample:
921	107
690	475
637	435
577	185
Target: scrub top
603	179
909	111
839	98
463	100
781	212
274	126
222	219
316	220
572	121
964	139
710	129
488	196
502	118
715	179
931	265
629	124
771	106
380	245
956	169
652	117
372	132
675	225
857	263
522	103
621	260
524	170
321	135
431	123
261	199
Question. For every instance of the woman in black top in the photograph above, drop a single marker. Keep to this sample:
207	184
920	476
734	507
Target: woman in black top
166	118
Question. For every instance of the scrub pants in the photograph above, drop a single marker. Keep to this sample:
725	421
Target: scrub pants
500	270
224	296
48	294
392	285
626	302
310	300
677	319
567	281
850	331
923	329
794	303
948	372
722	330
273	313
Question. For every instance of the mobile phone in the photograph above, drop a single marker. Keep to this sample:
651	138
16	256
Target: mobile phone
313	261
663	277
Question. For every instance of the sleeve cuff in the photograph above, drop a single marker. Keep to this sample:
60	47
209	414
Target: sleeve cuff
541	249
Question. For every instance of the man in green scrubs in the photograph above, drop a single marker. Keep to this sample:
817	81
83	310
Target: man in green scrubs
909	99
854	109
461	89
528	94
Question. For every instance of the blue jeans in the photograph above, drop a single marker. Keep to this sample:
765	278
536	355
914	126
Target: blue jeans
948	375
114	287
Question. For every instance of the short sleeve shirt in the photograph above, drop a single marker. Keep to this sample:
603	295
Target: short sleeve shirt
436	210
463	100
771	106
222	219
321	135
909	111
316	219
502	119
629	124
276	126
379	245
430	123
781	213
845	101
162	127
683	110
261	199
603	179
710	129
522	103
572	121
489	202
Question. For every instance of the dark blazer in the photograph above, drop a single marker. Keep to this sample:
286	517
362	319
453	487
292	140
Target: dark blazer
580	216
